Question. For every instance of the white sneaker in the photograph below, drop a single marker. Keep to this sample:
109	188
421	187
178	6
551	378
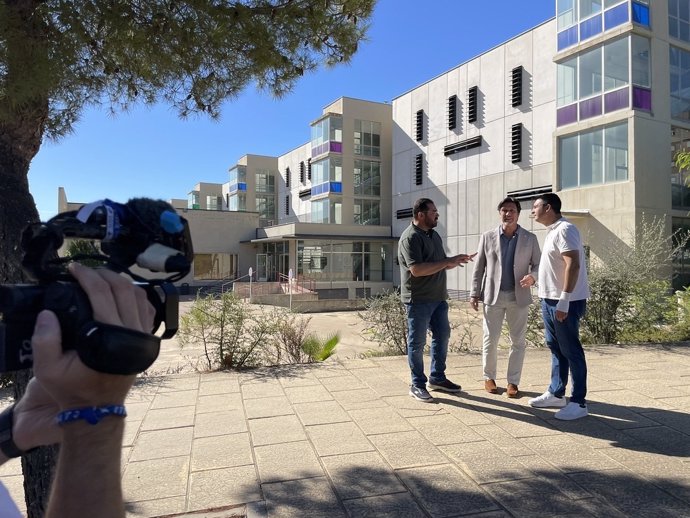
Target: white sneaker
572	411
547	400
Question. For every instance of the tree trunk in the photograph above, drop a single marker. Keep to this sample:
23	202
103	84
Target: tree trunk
21	131
17	210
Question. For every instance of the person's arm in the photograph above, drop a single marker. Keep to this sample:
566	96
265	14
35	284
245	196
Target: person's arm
87	477
530	279
571	258
30	422
478	274
430	268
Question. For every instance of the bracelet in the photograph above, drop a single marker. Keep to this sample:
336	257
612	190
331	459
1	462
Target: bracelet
91	414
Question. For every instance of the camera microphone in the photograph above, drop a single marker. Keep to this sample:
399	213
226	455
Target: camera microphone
144	231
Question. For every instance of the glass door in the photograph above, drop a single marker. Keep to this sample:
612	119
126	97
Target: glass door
262	267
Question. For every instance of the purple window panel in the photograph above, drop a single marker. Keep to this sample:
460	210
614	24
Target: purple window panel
642	98
590	108
616	16
337	147
590	27
616	100
566	115
567	38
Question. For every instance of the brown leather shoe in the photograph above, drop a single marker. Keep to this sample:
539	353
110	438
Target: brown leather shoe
490	386
512	390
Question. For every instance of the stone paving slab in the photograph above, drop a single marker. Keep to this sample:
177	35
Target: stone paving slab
344	438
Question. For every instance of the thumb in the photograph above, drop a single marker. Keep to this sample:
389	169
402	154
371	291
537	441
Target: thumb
47	338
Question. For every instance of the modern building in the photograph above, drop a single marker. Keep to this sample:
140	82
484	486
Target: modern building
334	222
592	104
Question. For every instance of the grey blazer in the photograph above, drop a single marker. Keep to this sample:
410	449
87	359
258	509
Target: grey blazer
486	278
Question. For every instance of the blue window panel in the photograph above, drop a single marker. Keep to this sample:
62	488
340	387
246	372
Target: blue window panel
567	38
616	16
336	187
640	14
319	189
242	186
590	27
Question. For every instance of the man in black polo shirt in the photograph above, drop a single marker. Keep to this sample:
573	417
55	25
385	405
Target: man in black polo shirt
423	265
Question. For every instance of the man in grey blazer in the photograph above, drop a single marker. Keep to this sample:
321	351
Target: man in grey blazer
506	266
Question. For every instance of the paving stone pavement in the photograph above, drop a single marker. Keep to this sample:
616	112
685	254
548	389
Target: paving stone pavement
344	439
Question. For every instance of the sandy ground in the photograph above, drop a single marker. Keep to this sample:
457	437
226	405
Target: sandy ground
353	342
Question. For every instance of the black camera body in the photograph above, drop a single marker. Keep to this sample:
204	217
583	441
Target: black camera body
145	232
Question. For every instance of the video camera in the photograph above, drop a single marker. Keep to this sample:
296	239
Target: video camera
145	232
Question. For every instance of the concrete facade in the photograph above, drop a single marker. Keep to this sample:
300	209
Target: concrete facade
466	186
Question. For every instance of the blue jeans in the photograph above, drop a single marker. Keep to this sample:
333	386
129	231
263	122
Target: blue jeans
423	317
567	355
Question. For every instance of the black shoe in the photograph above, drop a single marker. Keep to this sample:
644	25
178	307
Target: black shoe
445	386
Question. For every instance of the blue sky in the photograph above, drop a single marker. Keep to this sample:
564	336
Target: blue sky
150	151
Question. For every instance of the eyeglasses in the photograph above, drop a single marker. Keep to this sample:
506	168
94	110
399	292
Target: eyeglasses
432	211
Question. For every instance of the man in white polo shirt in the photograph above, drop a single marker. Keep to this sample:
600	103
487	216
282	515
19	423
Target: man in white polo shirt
563	290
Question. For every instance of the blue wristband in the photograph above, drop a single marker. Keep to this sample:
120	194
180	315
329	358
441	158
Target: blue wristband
91	414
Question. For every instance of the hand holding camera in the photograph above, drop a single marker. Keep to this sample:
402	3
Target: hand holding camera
145	232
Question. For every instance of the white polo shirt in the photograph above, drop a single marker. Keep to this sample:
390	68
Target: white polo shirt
562	236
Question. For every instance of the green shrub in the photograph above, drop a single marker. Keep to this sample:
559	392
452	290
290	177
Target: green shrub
386	323
465	332
231	334
236	335
318	349
631	296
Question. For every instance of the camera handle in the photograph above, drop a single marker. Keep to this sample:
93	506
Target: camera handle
116	350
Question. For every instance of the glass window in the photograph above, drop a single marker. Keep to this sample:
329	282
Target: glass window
640	61
680	83
214	202
328	210
335	125
611	3
324	131
238	174
616	138
567	82
237	202
265	181
679	19
567	155
367	138
594	157
590	73
616	64
640	12
680	179
266	206
567	13
591	159
193	200
367	177
589	7
367	212
328	170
